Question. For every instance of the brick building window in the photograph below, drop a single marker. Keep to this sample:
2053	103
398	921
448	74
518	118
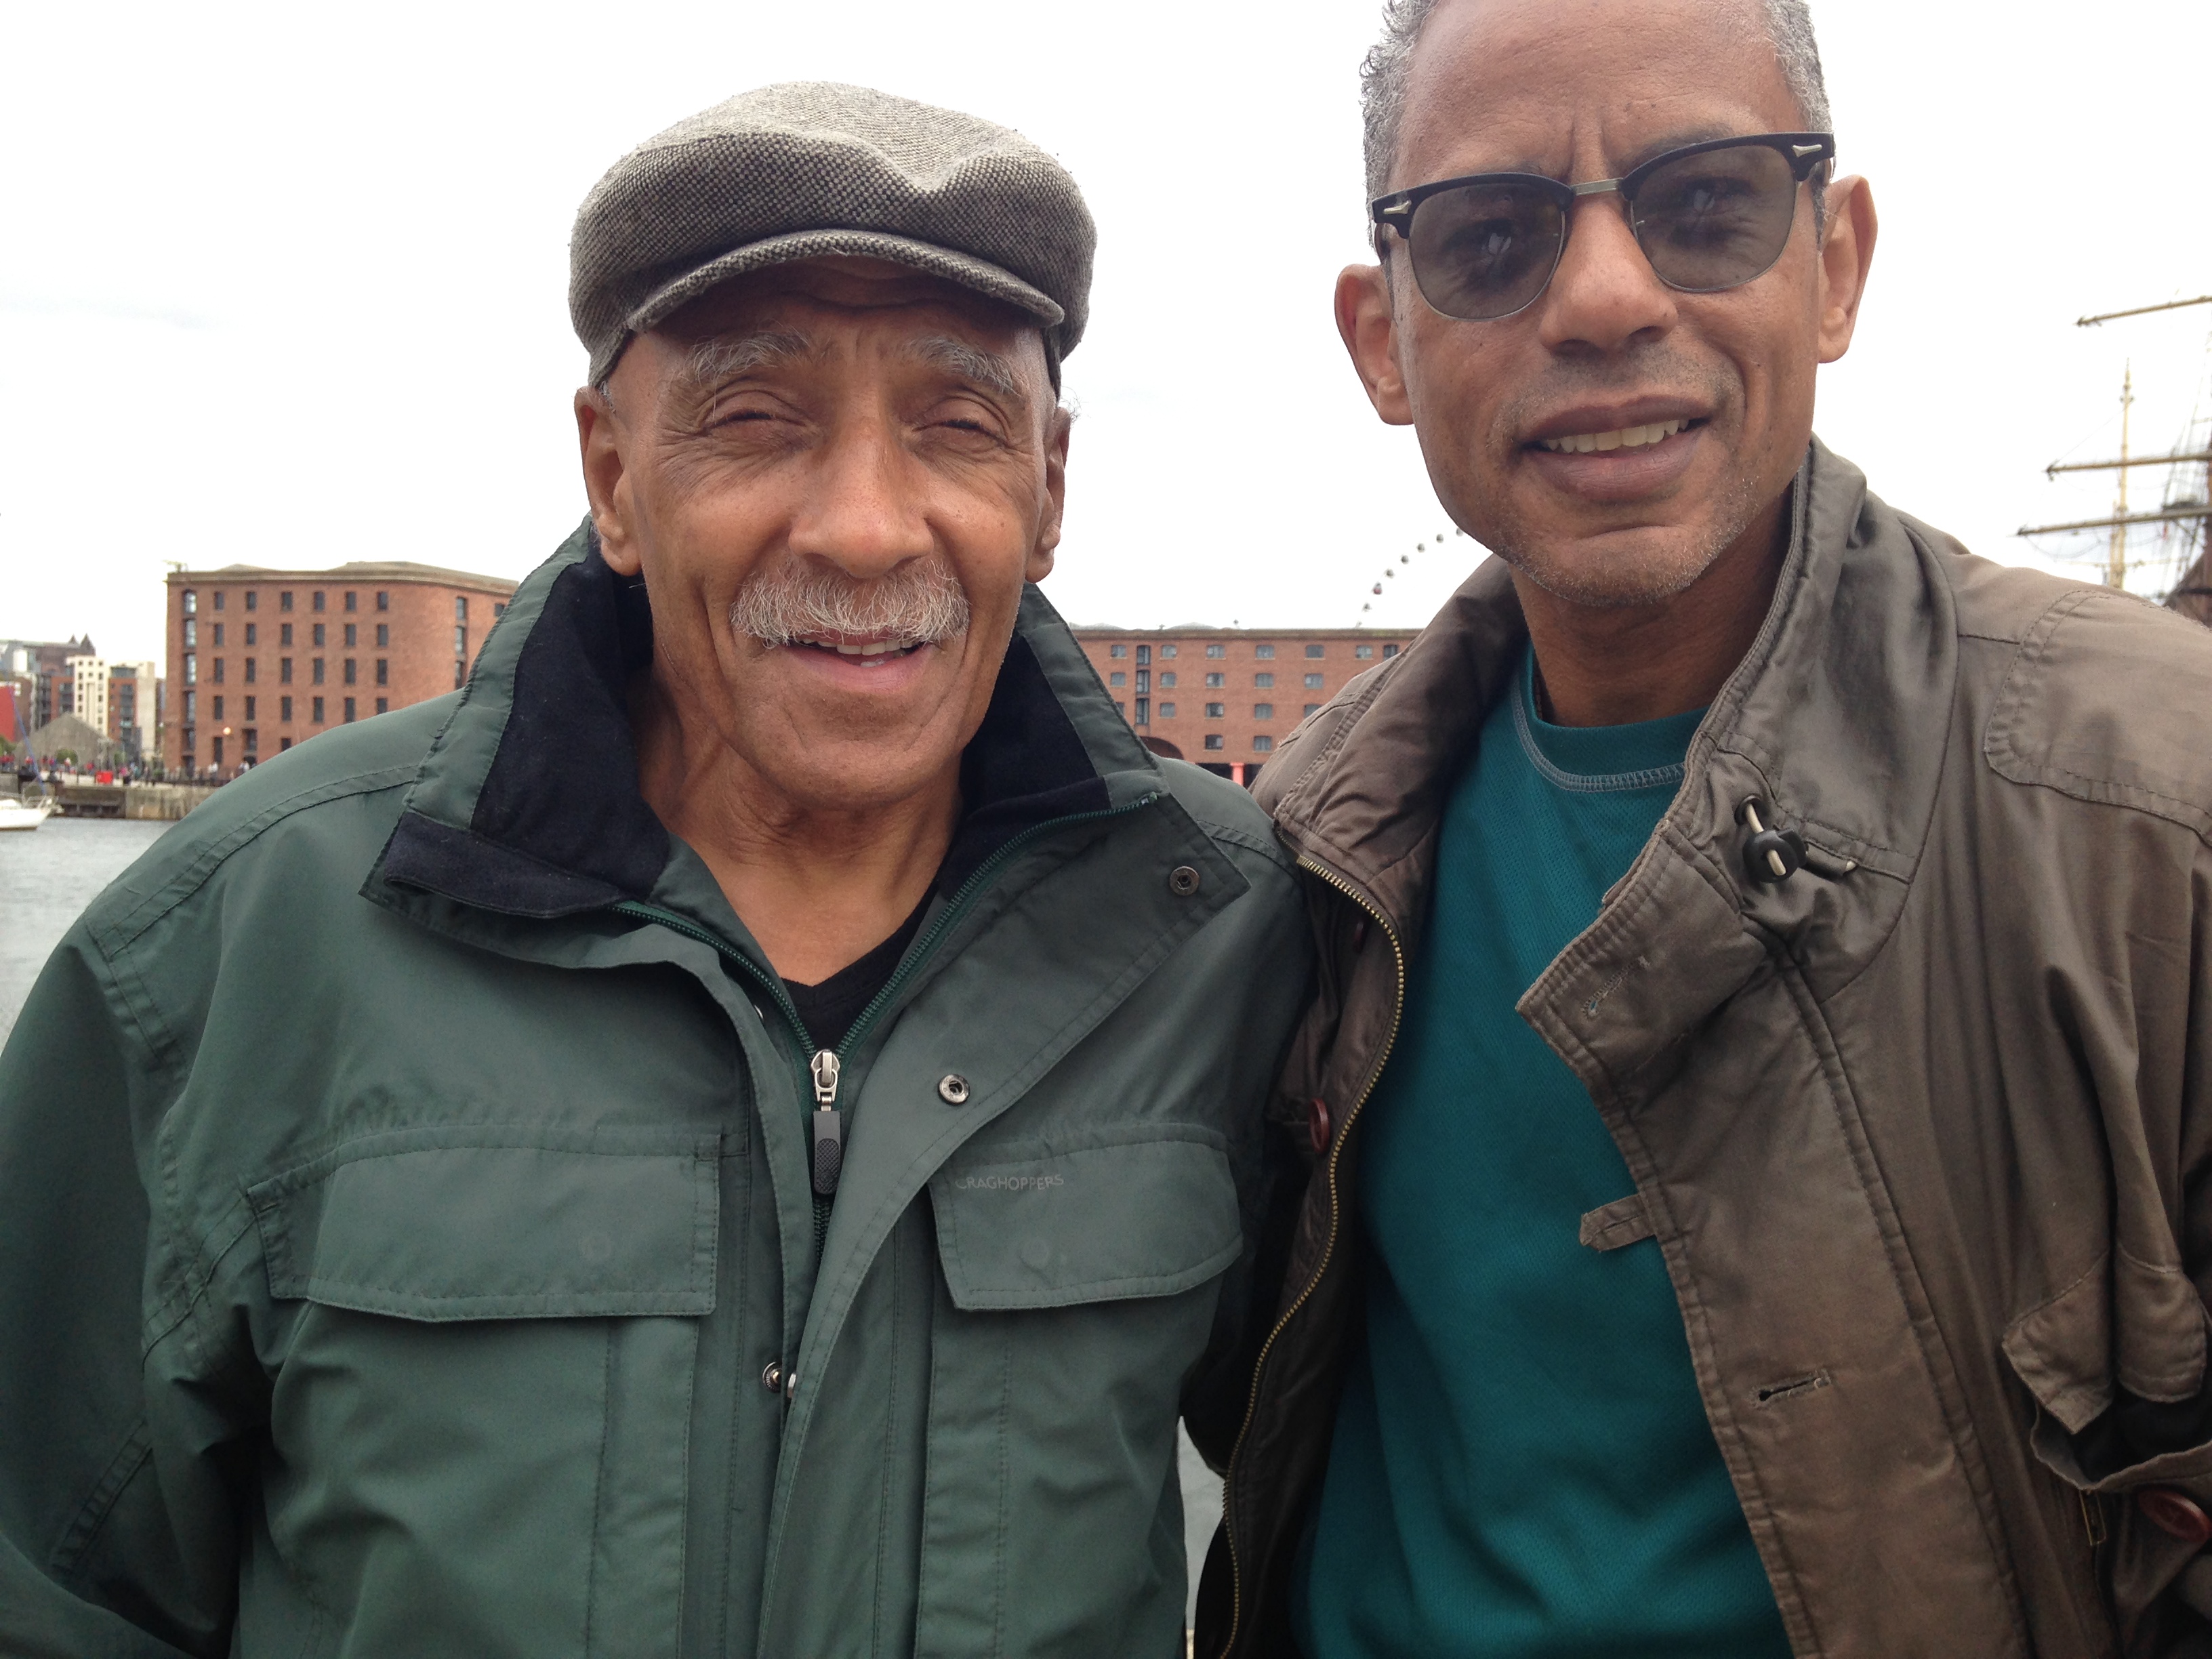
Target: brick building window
218	598
283	633
383	671
317	603
1217	711
1389	650
1144	711
192	603
461	675
352	632
1315	650
349	709
460	642
1265	653
1363	651
283	671
315	670
191	705
1262	745
284	710
384	705
316	711
1144	656
1117	677
497	611
1215	680
353	601
1213	740
215	745
218	708
217	675
1312	708
1167	681
1117	650
284	601
384	602
1265	682
1313	682
1217	650
192	633
1167	711
284	743
252	603
249	708
383	635
351	678
218	631
322	634
1167	650
1263	711
252	741
460	608
253	664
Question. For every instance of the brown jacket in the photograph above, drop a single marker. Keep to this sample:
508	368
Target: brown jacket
1921	1129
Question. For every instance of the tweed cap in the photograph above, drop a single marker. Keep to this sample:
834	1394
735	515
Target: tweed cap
813	167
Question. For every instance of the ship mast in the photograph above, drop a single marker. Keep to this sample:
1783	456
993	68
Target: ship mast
2116	558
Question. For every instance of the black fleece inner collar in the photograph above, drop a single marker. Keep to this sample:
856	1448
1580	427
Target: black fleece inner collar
560	827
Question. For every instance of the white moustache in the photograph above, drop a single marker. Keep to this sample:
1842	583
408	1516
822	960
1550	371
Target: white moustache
919	603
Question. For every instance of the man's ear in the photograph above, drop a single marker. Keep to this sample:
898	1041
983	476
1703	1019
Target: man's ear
606	480
1057	431
1845	257
1369	328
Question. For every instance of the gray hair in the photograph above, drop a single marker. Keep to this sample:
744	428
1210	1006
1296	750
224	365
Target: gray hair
1389	63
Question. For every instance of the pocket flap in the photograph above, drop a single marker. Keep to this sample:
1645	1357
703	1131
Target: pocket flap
2071	1349
1039	1226
494	1223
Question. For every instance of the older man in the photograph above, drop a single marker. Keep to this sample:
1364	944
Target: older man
1761	1096
729	1135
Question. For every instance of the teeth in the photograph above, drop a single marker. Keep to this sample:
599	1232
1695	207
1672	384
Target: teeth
1631	437
877	648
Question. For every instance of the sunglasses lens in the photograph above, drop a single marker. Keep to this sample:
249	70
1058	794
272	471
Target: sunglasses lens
1717	220
1485	250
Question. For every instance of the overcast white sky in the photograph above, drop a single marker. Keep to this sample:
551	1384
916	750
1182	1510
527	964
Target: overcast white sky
285	284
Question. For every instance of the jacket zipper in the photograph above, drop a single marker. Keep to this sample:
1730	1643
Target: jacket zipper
1328	1245
825	1068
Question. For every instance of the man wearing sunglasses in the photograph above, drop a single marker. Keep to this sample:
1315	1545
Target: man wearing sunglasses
1758	1102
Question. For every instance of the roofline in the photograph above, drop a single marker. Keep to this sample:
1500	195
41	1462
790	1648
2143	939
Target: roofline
380	570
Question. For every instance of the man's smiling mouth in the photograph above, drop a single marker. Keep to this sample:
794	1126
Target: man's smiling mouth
865	653
1630	437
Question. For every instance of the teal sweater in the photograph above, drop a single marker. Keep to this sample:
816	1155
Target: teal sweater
1521	1467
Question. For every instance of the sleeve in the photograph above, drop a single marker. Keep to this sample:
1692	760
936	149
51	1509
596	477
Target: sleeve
118	1512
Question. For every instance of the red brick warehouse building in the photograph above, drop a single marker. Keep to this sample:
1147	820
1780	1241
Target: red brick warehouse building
1226	696
260	660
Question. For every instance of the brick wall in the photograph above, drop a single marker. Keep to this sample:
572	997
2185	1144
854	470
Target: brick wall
256	678
1254	716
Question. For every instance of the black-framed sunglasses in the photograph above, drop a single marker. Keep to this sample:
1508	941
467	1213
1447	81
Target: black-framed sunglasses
1709	217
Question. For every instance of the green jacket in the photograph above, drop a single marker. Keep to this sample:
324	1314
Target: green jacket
406	1238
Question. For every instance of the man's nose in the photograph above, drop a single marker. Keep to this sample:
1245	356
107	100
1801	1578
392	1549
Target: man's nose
863	508
1604	296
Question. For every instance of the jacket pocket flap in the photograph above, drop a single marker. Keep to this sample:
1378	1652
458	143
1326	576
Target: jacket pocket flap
481	1223
2070	1355
1047	1227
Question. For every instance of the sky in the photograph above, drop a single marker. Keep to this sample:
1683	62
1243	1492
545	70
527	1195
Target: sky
286	284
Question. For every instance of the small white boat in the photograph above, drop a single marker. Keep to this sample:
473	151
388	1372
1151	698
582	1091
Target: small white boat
15	814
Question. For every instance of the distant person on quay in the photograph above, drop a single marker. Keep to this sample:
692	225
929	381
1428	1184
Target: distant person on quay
1759	1107
735	1133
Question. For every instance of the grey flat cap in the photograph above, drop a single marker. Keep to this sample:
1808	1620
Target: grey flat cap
813	167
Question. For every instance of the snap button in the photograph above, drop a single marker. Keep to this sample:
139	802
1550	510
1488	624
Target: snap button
2175	1512
952	1089
1183	880
1317	1124
772	1377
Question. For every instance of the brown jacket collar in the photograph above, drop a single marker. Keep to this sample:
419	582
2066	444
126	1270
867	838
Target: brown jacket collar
1834	716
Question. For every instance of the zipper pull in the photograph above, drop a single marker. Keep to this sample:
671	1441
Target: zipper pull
829	1124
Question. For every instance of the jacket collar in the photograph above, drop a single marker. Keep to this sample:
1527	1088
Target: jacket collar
1837	717
528	803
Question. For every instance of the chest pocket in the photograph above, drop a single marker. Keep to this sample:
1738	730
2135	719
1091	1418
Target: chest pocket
1079	1283
478	1414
